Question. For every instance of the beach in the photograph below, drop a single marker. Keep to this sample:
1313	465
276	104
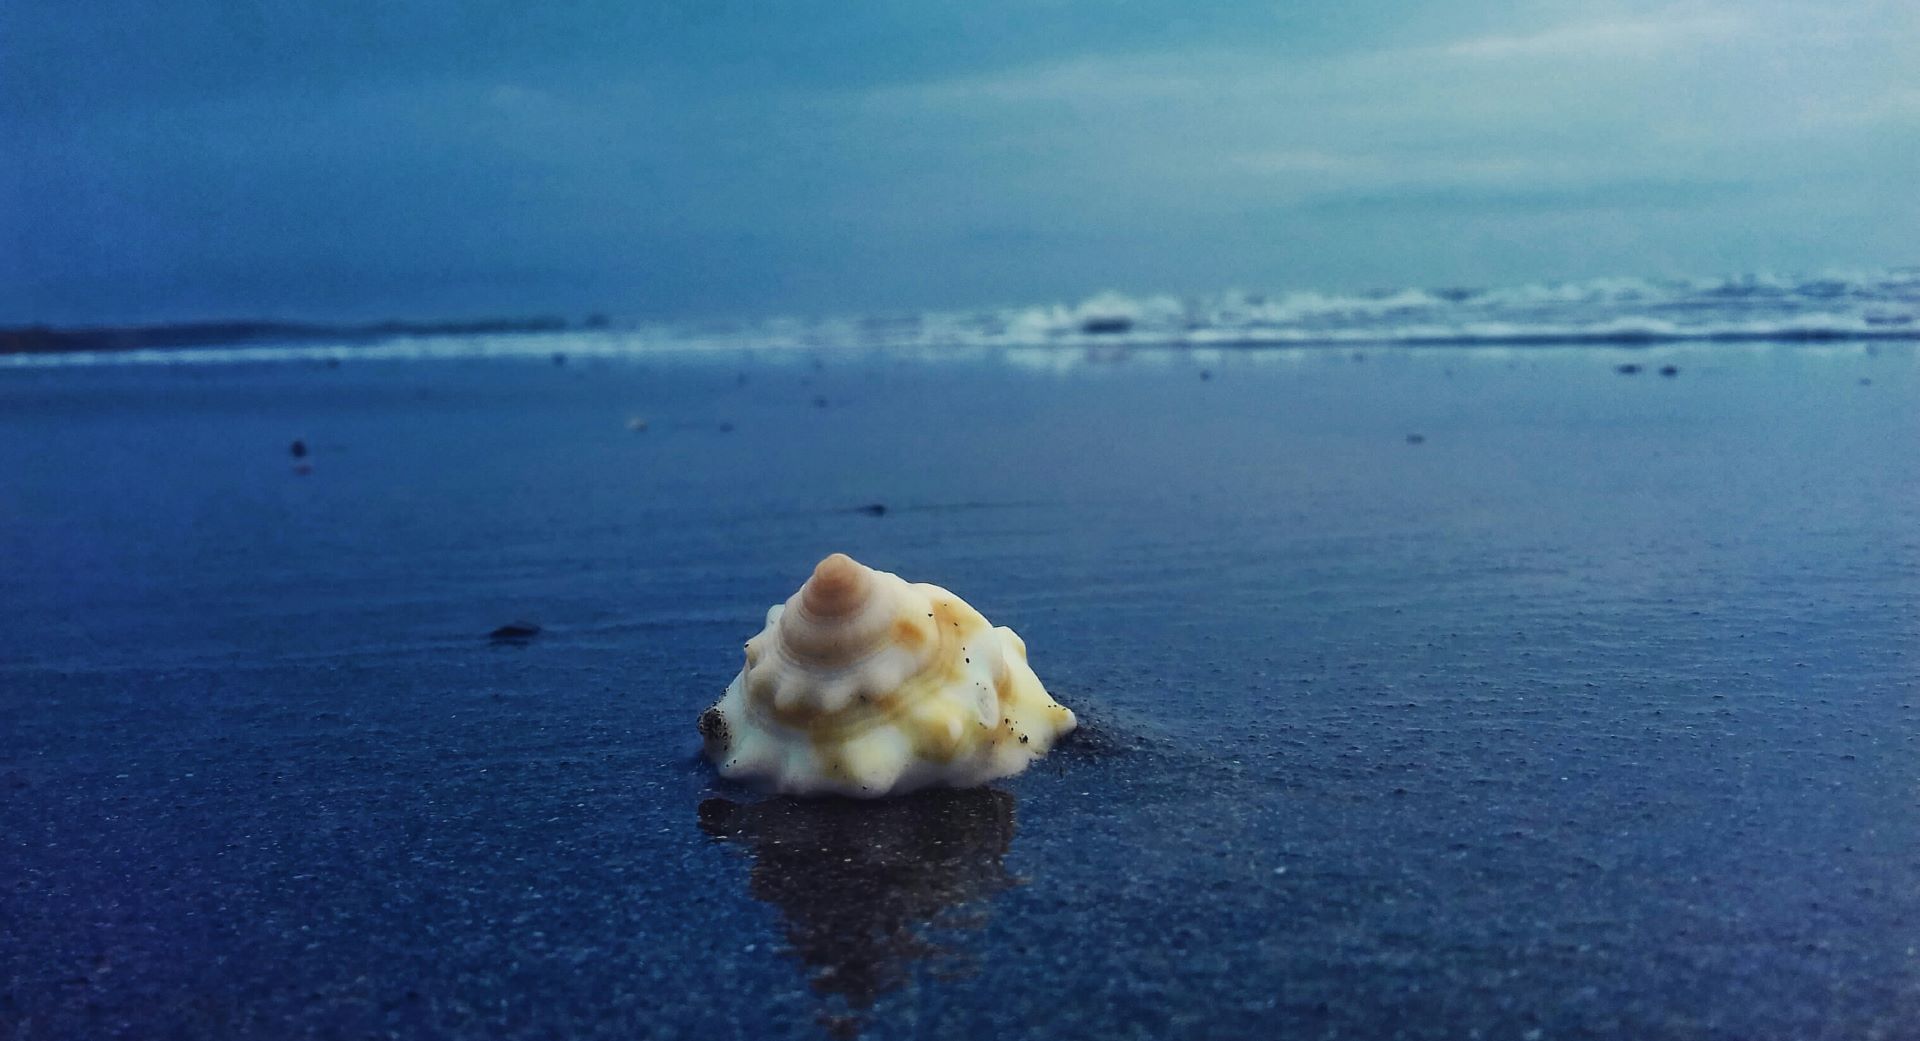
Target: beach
1426	691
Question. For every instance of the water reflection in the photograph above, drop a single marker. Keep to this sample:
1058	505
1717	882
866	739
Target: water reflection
867	890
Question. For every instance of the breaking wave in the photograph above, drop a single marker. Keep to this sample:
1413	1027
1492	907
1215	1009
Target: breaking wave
1880	305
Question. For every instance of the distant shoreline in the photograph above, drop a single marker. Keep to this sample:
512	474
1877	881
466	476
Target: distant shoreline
43	339
1615	312
211	338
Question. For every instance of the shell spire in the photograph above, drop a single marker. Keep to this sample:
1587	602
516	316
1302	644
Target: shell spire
842	613
862	684
839	586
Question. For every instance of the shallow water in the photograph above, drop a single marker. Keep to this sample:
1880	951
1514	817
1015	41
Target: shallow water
1592	714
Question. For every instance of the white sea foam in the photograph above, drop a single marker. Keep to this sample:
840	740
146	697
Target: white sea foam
1830	306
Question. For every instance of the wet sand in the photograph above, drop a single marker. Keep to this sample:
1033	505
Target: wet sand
1427	692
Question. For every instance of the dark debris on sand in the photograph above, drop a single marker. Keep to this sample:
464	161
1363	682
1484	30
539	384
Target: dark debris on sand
514	632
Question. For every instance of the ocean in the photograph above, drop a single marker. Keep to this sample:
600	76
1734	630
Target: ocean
1437	680
1835	306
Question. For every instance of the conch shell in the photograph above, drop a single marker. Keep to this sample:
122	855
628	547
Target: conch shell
864	685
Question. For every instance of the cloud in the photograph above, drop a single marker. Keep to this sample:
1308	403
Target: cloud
1688	137
1614	195
1894	108
1629	38
831	165
1227	71
1472	110
1465	168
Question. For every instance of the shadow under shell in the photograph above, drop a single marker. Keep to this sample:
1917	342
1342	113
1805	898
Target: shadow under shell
867	889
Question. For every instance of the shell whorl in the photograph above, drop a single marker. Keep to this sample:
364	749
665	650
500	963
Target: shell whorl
838	617
839	586
836	641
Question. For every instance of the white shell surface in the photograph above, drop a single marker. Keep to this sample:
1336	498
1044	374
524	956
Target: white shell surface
865	685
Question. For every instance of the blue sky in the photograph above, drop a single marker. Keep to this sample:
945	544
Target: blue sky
697	158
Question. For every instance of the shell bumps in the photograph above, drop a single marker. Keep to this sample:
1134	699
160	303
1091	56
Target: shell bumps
865	685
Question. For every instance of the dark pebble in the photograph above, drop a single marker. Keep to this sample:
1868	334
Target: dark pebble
559	359
1206	374
1416	439
514	632
1669	370
298	448
1629	369
873	509
1865	382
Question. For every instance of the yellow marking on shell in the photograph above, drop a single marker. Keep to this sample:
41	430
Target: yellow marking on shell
909	633
954	624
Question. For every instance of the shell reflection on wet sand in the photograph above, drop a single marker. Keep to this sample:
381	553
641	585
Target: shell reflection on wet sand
867	890
865	685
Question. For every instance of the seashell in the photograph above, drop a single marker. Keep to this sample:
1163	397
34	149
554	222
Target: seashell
863	684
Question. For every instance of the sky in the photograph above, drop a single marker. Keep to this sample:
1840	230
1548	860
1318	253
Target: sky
693	159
